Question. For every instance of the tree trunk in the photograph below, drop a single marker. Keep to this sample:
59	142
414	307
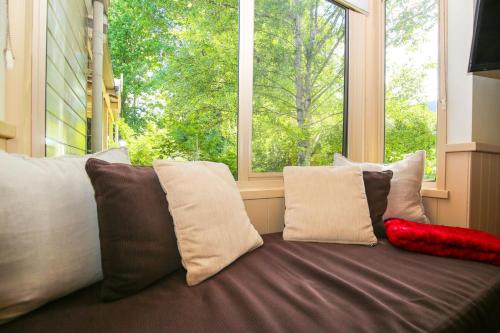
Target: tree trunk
299	82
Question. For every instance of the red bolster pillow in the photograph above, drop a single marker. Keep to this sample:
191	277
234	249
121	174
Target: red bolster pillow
444	241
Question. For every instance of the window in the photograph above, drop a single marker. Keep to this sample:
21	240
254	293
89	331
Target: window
412	79
299	83
180	66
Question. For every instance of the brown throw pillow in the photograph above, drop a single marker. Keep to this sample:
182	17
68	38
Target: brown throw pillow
136	231
377	187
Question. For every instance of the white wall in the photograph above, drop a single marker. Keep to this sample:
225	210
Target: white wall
3	31
459	82
473	101
486	110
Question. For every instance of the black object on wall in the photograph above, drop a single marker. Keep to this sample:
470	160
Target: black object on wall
485	53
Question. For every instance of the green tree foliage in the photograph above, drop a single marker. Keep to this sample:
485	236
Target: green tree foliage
410	123
179	59
298	83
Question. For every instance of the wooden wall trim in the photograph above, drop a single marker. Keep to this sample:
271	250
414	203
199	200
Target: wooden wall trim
18	78
442	109
375	84
356	86
7	131
472	147
435	193
38	69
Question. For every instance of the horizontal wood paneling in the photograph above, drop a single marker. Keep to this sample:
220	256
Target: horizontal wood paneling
66	81
57	149
73	75
59	109
59	131
59	25
62	89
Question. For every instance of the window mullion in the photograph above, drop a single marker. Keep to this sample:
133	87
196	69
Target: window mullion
245	88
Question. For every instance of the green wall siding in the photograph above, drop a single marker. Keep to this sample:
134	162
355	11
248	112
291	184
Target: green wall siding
66	82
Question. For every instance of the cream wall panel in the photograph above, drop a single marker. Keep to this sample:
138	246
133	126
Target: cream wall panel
276	215
431	209
267	215
455	210
485	192
257	212
3	144
473	181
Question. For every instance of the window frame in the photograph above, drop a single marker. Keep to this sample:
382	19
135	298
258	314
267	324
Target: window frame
365	96
245	88
439	183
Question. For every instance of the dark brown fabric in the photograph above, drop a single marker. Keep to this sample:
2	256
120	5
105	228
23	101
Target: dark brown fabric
138	244
297	287
377	187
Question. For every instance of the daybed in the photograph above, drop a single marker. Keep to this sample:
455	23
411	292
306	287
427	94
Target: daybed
296	287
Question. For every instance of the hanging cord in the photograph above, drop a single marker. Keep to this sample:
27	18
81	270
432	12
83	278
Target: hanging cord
9	55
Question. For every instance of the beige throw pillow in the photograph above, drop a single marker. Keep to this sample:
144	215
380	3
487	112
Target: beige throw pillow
327	204
49	236
404	200
211	224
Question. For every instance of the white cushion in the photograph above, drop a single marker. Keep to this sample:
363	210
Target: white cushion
404	200
327	204
49	236
211	224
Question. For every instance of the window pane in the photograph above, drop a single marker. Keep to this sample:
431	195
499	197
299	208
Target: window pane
180	62
298	101
412	78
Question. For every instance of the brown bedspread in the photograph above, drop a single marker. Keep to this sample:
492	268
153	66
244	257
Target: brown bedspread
297	287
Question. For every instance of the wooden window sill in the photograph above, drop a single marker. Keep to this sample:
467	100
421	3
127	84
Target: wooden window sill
260	191
7	131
